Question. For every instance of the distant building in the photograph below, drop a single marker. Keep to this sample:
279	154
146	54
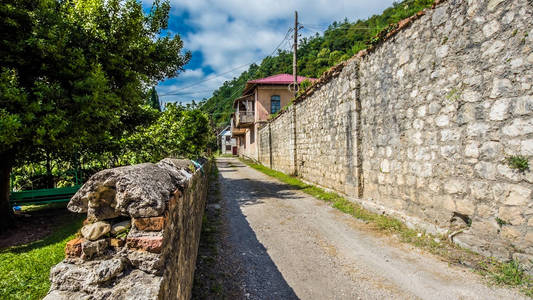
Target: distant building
260	99
227	143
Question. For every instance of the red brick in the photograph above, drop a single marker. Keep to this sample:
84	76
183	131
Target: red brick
150	224
73	247
146	243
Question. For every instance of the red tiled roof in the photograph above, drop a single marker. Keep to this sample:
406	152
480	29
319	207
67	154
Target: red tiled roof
279	79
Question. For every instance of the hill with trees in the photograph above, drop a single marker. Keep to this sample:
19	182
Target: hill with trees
316	54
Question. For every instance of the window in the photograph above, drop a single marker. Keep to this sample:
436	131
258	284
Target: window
228	147
228	138
275	104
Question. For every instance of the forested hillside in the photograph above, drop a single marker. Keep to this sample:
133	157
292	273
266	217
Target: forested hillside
316	54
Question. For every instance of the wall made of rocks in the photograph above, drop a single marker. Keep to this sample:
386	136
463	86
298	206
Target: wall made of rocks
276	143
141	236
423	125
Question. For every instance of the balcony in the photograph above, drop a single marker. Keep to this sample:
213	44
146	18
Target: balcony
244	119
235	131
244	111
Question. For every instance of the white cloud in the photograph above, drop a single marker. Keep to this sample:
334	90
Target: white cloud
231	33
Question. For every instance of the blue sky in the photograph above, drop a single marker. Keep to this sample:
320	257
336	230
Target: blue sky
226	36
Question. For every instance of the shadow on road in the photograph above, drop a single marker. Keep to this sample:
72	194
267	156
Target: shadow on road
261	277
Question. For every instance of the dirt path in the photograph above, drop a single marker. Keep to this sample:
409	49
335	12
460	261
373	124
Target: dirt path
290	245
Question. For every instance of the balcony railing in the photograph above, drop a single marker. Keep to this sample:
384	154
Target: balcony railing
244	118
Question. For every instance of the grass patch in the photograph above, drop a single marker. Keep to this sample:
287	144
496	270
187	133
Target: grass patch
25	269
509	273
518	162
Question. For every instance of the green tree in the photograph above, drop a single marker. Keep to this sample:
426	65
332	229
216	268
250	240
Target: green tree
178	132
73	75
153	100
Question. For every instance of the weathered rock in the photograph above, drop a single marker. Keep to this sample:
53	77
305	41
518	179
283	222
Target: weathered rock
95	230
150	223
85	277
120	227
91	249
148	262
137	191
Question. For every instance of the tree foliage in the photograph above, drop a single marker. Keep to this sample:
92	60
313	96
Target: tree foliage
316	54
73	77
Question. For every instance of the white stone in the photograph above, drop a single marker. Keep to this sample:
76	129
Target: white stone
417	138
490	28
442	120
518	127
404	57
530	58
455	186
480	190
421	111
491	150
95	230
439	15
508	18
500	86
508	173
523	105
485	170
511	215
472	149
471	96
385	166
526	147
448	150
418	124
477	129
516	63
449	135
492	4
442	51
518	195
499	110
492	47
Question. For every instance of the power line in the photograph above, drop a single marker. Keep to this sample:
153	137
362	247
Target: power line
236	68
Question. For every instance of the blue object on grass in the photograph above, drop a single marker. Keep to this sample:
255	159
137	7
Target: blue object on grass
17	208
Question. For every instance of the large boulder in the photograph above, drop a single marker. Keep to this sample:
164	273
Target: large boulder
138	191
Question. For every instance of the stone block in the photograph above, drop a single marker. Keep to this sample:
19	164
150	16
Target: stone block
518	195
512	215
147	243
95	230
73	248
92	249
150	224
120	227
455	186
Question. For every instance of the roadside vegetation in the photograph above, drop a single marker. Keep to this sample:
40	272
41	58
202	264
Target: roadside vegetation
25	269
501	273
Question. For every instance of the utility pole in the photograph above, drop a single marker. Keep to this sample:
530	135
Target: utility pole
294	58
294	73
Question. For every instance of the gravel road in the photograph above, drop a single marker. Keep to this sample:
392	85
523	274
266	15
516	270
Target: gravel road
290	245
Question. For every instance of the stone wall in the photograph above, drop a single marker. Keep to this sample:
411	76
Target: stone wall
141	236
422	126
275	140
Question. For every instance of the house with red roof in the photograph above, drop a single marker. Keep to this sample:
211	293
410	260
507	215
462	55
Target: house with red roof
260	99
